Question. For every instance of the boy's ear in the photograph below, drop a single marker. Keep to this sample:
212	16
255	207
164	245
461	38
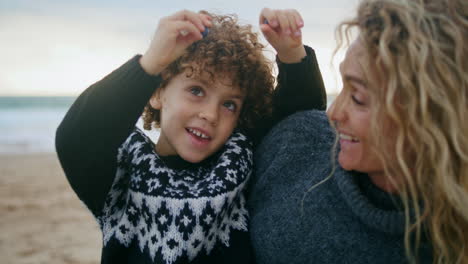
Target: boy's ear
155	100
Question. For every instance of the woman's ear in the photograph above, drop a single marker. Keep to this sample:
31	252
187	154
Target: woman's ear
155	100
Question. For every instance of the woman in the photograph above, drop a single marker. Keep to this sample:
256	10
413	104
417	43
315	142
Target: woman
399	189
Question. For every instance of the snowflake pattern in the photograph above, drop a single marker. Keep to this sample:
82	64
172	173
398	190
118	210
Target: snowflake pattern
176	213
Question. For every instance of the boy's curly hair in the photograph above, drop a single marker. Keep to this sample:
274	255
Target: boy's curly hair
230	50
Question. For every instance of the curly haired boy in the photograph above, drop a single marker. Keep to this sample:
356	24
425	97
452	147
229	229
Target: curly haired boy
182	198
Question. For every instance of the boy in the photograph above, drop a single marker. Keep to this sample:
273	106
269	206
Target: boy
181	200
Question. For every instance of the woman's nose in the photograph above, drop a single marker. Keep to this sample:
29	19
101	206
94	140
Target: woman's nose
336	111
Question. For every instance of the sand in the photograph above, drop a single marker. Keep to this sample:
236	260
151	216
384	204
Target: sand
41	218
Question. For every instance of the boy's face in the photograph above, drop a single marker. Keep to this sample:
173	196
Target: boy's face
197	115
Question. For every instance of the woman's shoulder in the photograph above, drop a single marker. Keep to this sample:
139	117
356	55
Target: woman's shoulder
306	122
300	142
305	128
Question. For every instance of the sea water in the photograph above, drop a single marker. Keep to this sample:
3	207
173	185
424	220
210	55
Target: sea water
28	124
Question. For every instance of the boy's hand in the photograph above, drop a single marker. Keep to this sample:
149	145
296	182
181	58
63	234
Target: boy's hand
282	29
173	35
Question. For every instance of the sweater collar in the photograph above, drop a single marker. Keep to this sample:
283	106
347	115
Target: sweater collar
376	208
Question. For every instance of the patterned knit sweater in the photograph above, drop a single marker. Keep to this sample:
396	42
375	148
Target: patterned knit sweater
176	213
154	209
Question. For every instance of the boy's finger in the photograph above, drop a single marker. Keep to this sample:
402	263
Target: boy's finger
267	16
298	17
193	17
267	30
292	20
206	20
196	19
270	34
185	28
284	23
297	20
264	15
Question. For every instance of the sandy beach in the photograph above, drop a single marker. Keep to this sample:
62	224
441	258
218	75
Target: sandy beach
42	220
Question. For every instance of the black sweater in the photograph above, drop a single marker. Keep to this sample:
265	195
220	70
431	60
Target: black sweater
104	115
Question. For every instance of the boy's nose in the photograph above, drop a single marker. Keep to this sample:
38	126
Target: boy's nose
210	114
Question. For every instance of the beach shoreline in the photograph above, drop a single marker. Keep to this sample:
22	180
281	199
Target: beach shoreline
42	219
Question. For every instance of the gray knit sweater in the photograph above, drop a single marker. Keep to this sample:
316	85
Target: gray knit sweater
347	219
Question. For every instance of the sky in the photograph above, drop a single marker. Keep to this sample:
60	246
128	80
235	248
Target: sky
59	48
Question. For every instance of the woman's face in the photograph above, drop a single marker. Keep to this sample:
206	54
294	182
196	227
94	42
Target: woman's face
351	113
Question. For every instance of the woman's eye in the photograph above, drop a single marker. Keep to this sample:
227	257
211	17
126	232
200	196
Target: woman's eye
356	101
197	91
231	106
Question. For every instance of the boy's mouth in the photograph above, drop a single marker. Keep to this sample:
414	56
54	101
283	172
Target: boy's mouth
197	133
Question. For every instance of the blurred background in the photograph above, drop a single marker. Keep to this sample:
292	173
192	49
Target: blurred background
50	52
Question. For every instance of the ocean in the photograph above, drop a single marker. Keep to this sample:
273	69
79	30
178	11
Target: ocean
28	124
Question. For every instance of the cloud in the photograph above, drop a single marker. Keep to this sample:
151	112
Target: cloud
47	54
61	47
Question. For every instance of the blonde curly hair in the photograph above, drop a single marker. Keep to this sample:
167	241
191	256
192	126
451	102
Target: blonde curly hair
420	53
231	50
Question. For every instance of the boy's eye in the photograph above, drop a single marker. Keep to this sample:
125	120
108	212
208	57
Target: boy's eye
197	91
231	106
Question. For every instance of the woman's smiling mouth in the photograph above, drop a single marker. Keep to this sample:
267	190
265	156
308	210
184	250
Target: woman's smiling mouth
348	137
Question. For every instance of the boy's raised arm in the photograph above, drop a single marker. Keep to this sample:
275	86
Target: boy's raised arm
102	117
95	126
300	85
